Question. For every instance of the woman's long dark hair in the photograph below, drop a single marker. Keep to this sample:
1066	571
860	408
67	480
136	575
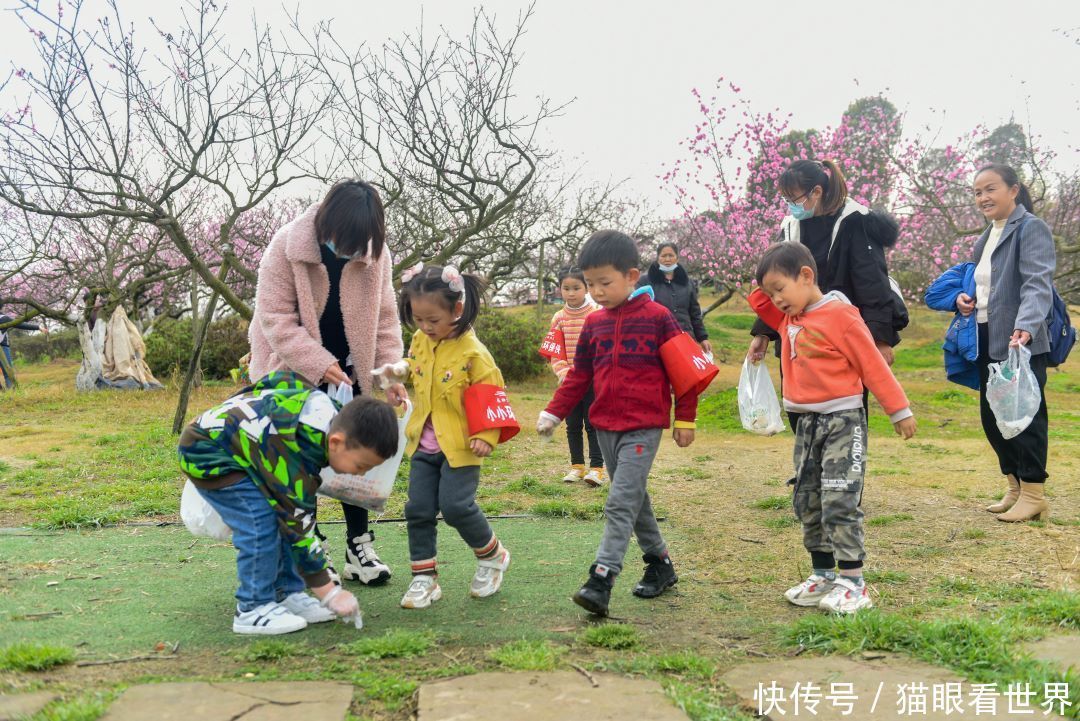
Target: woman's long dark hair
1010	178
351	215
802	176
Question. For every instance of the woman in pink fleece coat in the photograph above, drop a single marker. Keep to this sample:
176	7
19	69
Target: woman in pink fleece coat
325	308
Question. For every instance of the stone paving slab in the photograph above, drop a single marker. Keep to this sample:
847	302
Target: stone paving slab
1062	650
878	675
538	696
307	700
17	706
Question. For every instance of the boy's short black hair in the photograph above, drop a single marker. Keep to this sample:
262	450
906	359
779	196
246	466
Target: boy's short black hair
609	247
369	423
786	258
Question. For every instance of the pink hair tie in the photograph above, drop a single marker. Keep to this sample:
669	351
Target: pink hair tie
410	273
452	278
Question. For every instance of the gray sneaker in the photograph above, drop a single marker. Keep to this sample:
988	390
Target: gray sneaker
489	575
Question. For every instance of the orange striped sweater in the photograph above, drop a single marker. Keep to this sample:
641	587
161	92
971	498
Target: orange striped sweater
570	321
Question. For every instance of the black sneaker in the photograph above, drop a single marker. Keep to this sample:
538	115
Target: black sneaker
362	563
596	593
659	576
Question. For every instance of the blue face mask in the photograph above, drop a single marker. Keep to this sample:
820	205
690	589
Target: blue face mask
668	268
333	249
798	212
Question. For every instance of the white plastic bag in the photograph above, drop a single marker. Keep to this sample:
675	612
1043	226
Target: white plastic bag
342	393
200	517
1012	392
371	490
758	408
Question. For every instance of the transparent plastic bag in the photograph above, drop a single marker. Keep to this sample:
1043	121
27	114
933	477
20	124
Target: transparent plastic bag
342	393
200	517
758	408
1012	391
372	489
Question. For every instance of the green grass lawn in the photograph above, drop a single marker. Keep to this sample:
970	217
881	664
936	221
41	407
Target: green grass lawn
114	591
951	584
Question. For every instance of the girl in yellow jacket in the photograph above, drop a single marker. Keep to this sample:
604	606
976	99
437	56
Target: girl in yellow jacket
444	359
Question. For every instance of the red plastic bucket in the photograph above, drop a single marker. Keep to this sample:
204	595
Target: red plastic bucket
687	368
554	345
487	408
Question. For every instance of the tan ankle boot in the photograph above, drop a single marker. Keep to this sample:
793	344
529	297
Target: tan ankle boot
1009	498
1031	505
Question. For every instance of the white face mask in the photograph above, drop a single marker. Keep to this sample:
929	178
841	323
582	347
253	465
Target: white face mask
668	268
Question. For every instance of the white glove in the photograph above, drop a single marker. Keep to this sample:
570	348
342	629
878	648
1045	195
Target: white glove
391	373
546	425
341	602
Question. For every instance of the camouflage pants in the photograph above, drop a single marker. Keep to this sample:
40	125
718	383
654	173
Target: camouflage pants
830	461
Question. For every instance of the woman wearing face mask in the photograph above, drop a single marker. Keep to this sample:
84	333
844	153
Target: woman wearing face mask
1014	271
325	308
848	243
675	291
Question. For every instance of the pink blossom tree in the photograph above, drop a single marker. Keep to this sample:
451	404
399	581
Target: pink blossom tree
724	186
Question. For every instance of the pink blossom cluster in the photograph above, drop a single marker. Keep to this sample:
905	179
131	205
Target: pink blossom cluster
730	208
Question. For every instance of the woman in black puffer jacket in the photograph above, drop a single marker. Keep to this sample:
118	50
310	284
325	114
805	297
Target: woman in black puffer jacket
848	242
675	291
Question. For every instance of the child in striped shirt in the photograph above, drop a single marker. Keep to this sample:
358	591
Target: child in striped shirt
570	319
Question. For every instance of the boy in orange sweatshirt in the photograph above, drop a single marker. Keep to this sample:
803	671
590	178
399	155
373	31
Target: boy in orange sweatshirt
827	356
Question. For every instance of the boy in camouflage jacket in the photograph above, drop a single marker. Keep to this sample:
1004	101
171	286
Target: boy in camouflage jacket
256	459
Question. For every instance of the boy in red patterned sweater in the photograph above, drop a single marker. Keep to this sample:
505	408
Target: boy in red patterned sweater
618	353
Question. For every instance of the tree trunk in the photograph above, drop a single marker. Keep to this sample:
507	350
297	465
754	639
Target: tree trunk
92	343
193	365
728	292
197	379
540	284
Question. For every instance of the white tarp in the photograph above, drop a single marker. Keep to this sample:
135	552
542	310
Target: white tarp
114	356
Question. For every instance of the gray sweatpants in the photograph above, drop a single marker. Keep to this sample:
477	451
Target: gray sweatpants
435	485
629	457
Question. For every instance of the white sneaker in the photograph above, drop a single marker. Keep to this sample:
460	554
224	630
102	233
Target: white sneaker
846	597
362	563
308	608
489	575
809	592
575	474
269	619
423	591
595	477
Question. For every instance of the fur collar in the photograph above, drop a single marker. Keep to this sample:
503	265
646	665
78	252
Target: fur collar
657	276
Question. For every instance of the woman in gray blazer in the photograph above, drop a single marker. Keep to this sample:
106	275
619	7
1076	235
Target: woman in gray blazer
1014	275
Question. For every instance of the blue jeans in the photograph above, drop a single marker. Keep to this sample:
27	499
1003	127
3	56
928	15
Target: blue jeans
264	565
